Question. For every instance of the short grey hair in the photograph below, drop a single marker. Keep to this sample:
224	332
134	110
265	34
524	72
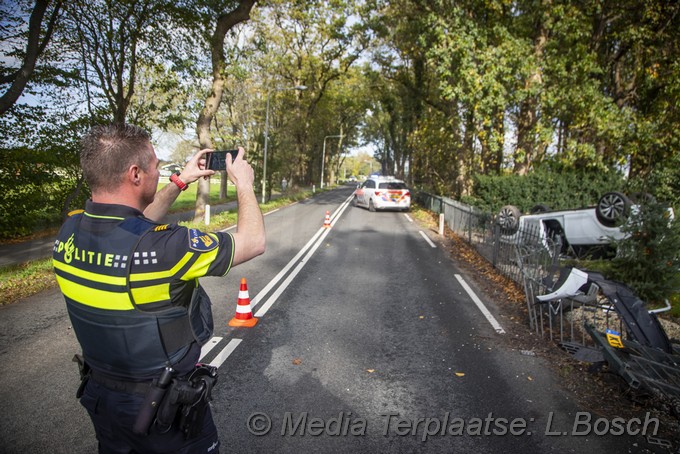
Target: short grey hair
109	150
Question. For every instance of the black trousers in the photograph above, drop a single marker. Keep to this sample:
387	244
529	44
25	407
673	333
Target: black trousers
113	414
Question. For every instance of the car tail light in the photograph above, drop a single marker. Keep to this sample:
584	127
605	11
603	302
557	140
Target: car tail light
378	193
407	194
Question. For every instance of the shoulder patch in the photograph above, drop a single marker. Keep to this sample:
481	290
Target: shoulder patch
160	228
201	241
74	212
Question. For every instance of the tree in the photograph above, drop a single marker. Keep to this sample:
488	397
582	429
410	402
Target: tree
37	40
308	43
225	22
108	37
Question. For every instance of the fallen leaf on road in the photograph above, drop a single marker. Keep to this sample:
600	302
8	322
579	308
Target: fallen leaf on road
460	374
370	371
297	361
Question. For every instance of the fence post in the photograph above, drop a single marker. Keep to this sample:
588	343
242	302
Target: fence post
441	224
207	215
470	226
495	232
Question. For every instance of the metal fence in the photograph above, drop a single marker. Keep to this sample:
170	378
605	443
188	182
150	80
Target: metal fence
532	260
581	324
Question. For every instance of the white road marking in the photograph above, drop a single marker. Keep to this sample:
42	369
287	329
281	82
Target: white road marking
268	304
312	245
408	217
494	323
226	351
212	343
427	239
265	291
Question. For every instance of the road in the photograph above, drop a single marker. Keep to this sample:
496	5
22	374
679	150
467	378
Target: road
370	339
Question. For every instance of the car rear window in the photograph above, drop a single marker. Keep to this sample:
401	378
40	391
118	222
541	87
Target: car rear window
392	185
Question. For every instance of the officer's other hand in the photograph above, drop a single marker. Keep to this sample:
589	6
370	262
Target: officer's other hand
195	168
240	172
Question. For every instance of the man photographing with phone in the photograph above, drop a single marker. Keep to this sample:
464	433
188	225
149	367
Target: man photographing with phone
133	296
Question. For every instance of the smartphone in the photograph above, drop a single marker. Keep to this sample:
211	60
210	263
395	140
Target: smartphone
217	160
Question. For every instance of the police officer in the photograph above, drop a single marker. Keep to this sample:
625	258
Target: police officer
132	292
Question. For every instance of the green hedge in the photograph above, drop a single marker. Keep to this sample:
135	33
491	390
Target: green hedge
557	190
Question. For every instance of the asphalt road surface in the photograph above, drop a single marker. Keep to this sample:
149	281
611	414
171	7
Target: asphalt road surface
369	339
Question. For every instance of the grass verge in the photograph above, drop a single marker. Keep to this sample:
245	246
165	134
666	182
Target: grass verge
21	281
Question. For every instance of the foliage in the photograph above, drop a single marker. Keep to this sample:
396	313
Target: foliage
557	190
447	94
39	169
648	258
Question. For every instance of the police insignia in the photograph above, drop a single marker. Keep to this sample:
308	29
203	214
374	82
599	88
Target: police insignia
201	241
160	228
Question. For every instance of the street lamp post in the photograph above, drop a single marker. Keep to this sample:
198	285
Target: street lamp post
266	136
323	156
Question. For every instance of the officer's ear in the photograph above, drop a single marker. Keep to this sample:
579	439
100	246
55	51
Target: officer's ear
134	174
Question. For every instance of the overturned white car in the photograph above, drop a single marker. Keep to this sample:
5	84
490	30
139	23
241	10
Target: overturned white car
581	231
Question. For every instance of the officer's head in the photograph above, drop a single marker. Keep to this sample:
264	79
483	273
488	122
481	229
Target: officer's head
110	151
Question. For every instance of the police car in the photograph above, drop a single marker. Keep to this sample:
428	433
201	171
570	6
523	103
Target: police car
380	192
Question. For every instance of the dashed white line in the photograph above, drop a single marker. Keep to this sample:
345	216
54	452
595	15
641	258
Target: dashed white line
427	239
494	323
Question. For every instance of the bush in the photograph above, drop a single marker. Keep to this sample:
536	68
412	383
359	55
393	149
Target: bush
557	190
647	258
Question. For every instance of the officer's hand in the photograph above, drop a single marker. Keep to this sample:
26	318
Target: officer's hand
195	168
240	172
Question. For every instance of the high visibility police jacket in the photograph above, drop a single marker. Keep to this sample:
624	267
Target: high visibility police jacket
131	288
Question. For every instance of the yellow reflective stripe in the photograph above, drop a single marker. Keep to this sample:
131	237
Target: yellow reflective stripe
151	294
200	267
117	218
92	297
137	277
89	275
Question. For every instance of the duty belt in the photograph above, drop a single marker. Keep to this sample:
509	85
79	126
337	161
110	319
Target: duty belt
114	384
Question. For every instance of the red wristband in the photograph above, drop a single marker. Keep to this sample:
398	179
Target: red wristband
180	184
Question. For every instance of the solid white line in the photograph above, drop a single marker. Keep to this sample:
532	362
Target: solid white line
427	239
494	323
265	291
284	270
226	351
272	299
408	217
209	346
231	346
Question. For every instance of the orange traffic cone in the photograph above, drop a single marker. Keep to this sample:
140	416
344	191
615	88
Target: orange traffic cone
327	221
244	314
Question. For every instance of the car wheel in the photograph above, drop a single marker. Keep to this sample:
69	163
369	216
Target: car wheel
371	207
354	201
612	208
508	219
540	208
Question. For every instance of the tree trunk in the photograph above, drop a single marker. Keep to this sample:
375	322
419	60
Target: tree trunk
224	23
